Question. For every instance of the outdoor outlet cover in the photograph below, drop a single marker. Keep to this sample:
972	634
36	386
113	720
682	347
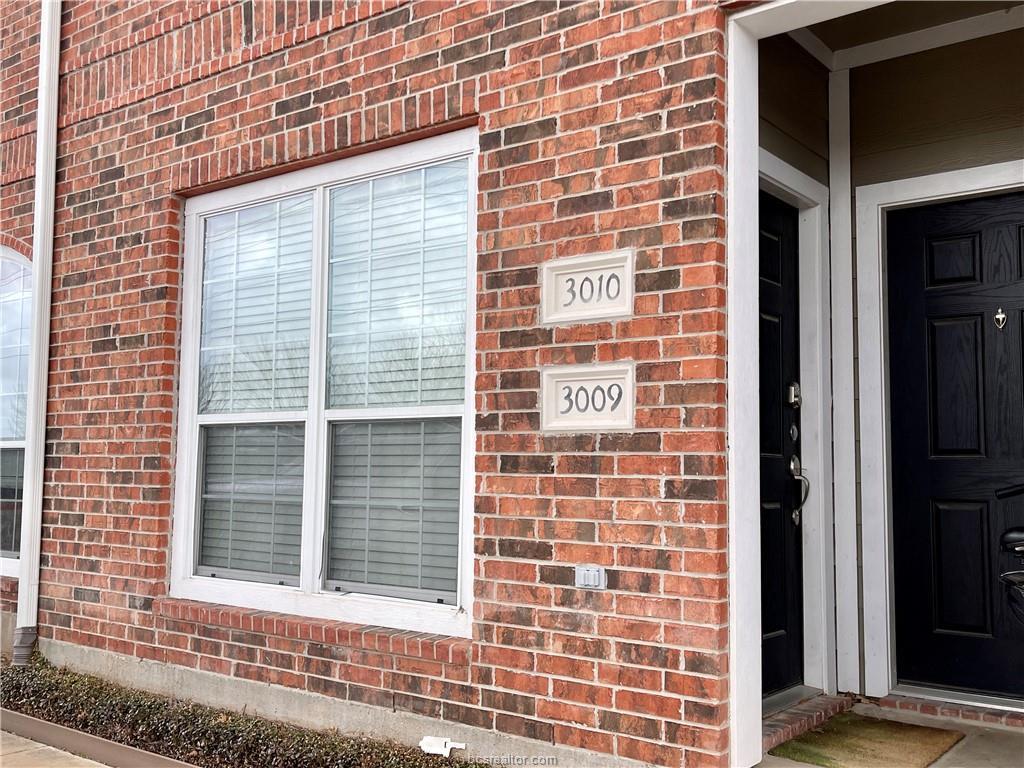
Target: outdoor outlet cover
591	577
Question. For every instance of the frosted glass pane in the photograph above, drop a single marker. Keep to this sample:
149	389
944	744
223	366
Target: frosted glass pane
15	334
254	343
251	502
397	289
394	507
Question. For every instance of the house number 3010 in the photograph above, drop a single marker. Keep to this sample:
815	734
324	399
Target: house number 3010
590	287
605	286
596	398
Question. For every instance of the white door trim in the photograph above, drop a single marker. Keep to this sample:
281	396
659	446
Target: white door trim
743	30
844	419
811	198
875	462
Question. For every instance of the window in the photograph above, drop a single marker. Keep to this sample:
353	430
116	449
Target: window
326	407
15	340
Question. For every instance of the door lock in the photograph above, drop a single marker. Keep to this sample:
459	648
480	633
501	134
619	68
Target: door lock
793	398
796	470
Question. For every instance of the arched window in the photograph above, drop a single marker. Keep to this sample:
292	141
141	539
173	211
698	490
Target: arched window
15	340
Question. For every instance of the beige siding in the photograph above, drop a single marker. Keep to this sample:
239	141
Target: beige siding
944	109
793	94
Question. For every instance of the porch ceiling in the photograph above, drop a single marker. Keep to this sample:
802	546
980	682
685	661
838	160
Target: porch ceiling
897	18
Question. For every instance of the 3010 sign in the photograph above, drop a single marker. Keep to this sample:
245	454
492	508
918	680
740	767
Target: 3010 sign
587	398
587	288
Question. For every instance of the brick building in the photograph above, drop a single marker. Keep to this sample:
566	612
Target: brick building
332	316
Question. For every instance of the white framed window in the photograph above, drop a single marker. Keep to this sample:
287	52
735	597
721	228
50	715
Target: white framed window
325	441
15	343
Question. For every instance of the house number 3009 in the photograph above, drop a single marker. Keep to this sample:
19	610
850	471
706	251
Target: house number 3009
588	398
584	399
605	286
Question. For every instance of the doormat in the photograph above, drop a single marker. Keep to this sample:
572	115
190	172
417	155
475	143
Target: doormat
849	740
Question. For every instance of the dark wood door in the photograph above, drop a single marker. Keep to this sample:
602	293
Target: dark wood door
956	322
781	583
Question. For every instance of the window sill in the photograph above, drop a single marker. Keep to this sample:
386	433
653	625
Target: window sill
430	646
352	610
9	567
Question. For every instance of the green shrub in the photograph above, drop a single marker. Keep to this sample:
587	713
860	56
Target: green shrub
192	733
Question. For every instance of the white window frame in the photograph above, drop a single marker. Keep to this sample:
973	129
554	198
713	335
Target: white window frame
9	566
310	598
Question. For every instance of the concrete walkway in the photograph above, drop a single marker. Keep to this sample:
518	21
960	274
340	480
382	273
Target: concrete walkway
16	752
981	747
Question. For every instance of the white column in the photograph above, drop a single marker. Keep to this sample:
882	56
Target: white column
844	443
744	409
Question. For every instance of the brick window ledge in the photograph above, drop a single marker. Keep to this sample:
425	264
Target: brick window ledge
419	645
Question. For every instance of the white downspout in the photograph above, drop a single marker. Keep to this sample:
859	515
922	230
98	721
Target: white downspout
42	286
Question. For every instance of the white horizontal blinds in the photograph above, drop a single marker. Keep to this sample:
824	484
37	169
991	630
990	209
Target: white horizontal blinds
251	502
393	525
15	330
396	314
254	345
12	472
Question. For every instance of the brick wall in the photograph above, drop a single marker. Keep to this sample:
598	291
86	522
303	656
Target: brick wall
601	126
8	595
19	63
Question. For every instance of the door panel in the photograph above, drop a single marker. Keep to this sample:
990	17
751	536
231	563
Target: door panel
956	380
954	374
781	582
960	542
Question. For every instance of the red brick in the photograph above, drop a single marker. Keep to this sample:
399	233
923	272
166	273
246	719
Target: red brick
601	127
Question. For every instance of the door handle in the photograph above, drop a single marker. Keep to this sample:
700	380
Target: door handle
1010	491
796	470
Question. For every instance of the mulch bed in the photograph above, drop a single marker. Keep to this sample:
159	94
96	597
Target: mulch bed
192	733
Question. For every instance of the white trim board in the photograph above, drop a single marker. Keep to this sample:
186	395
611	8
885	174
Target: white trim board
743	30
811	198
950	33
875	466
844	435
815	46
933	37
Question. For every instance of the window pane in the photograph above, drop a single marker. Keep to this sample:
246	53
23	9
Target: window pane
396	315
251	505
15	337
254	349
394	507
12	475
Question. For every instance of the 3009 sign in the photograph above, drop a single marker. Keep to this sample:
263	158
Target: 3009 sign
587	398
594	399
587	287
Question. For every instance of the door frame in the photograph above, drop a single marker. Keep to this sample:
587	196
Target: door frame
811	198
744	29
872	203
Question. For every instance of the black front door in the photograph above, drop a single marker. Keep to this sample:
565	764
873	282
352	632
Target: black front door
781	583
955	301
